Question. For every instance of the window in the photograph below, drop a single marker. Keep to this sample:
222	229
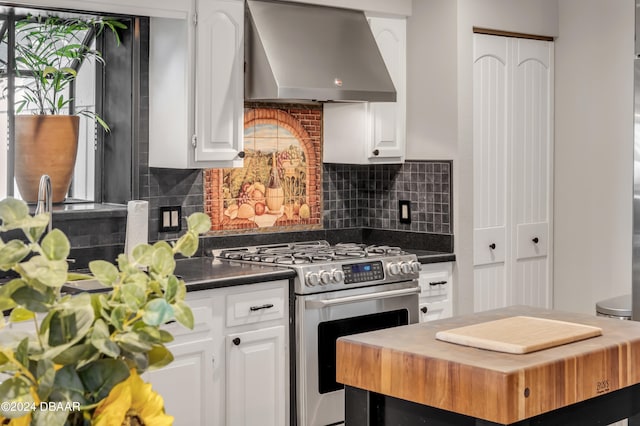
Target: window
98	89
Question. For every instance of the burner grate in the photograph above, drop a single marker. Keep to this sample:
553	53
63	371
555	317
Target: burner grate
309	252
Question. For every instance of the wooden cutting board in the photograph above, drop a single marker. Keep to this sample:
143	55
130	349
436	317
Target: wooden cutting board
519	334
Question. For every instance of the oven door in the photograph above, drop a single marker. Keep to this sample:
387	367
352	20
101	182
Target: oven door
321	319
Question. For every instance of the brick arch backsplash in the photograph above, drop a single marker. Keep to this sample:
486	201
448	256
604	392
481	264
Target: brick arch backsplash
239	199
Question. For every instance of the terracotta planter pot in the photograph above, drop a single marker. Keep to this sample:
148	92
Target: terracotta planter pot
45	144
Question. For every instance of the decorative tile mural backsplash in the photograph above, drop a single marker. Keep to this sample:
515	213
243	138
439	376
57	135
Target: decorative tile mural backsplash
279	184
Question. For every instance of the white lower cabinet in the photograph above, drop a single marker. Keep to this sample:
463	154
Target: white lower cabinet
436	291
256	377
431	311
233	367
186	385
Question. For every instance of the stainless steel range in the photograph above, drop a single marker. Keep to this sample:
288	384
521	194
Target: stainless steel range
340	290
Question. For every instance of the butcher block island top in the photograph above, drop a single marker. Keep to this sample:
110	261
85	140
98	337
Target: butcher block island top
409	363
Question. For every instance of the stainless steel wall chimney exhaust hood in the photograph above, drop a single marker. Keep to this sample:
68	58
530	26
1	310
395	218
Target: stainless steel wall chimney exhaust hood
297	51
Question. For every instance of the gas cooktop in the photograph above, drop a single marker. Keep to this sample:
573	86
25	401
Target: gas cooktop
325	267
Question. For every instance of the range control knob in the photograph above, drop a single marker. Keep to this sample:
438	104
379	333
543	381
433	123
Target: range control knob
325	277
405	267
312	279
415	266
394	268
338	275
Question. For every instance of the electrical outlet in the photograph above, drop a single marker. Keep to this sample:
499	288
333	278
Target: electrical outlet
170	219
404	211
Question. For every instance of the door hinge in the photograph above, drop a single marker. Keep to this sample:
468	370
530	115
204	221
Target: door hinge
195	18
194	141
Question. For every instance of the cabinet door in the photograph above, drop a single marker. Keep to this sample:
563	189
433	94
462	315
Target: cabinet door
219	82
436	291
490	169
372	132
434	311
532	154
171	91
256	377
388	118
513	96
185	384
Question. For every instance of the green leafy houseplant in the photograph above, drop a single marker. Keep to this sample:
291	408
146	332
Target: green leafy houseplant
48	52
87	351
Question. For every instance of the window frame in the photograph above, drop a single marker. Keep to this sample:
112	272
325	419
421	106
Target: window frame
113	183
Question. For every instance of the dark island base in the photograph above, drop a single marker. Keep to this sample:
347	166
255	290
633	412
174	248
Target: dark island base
365	408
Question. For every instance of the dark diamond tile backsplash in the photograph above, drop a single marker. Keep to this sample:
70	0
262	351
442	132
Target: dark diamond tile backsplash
368	196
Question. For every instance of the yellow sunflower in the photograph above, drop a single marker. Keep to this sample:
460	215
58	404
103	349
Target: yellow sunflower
132	402
20	421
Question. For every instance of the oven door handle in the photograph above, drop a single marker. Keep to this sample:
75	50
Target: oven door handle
319	304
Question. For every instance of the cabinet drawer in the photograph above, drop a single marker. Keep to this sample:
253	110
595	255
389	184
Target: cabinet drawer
202	318
255	306
532	239
435	283
488	245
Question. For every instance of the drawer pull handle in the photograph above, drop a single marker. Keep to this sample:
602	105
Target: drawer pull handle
492	246
257	308
535	240
437	283
424	309
236	341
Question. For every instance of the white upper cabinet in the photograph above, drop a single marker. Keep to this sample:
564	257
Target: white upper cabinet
372	132
155	8
196	92
388	118
219	81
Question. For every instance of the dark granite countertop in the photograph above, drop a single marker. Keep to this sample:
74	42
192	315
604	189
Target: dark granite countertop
205	273
427	256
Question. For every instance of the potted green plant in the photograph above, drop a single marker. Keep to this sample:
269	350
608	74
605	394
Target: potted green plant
48	52
82	363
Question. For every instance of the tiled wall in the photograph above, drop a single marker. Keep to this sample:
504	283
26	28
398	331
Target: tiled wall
367	196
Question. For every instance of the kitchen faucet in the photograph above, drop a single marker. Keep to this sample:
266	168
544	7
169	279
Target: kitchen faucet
44	199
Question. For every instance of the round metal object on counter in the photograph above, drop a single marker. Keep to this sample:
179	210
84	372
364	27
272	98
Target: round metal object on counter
616	307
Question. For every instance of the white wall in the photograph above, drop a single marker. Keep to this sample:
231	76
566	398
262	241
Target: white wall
432	105
593	137
440	112
525	16
593	152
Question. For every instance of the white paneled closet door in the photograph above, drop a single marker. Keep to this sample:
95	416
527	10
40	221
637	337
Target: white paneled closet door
532	177
490	133
513	136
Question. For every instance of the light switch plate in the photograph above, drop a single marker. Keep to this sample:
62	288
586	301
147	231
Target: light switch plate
404	211
170	218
